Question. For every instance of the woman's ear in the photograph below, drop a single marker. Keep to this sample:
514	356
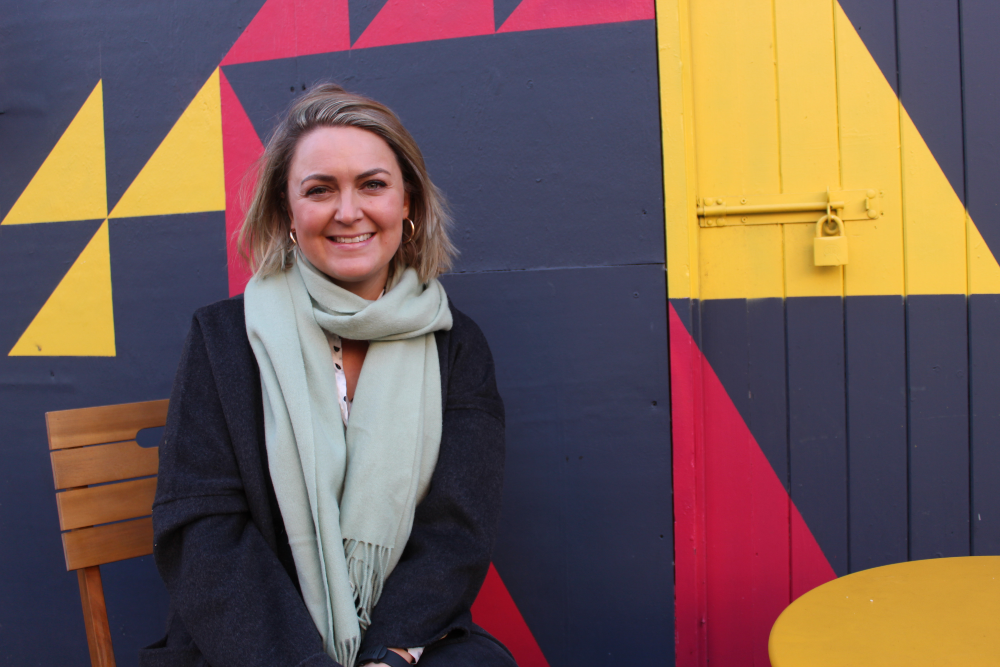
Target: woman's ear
406	204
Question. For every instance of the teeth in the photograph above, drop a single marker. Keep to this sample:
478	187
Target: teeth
352	239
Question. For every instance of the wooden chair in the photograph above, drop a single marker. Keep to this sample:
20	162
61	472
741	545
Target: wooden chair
104	483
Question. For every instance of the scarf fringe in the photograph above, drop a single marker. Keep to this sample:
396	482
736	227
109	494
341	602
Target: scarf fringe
367	568
347	650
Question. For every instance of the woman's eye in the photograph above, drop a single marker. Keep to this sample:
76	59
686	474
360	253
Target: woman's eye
374	185
317	190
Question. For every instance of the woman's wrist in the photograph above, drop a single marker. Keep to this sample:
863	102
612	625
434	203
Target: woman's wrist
404	654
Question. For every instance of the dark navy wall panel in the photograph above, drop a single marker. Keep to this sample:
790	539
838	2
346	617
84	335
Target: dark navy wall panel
875	21
930	79
525	132
938	375
744	341
44	251
984	414
981	87
817	421
581	357
875	336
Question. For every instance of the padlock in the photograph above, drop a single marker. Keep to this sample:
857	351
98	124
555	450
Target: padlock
830	250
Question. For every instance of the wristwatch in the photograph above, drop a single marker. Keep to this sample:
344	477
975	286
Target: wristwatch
382	654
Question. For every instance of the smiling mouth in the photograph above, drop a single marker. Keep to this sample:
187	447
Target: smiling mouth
352	239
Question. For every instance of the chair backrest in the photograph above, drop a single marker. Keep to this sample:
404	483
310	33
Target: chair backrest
105	483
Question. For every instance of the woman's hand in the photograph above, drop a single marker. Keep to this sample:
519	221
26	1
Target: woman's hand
401	652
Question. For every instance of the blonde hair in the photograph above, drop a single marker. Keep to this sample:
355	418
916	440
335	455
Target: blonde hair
264	241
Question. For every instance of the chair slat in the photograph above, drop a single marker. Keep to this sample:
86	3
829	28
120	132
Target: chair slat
105	544
83	466
104	504
107	423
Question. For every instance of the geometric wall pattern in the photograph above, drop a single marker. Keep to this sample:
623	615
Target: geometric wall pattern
117	223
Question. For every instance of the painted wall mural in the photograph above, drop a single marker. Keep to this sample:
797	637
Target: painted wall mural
128	132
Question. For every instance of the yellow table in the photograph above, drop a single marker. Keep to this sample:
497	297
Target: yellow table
926	613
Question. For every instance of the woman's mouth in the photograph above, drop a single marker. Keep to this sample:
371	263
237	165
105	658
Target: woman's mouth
353	239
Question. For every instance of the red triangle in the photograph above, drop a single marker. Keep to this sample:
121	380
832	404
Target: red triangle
240	148
405	21
495	611
288	28
540	14
759	554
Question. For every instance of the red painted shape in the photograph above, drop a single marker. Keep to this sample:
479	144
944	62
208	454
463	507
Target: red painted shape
687	406
540	14
757	554
240	148
288	28
405	21
495	611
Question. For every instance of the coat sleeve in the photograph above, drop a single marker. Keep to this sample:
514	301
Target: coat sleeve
235	599
432	588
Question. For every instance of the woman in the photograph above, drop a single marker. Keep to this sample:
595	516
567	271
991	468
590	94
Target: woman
330	473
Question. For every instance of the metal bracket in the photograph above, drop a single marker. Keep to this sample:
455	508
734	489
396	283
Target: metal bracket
791	208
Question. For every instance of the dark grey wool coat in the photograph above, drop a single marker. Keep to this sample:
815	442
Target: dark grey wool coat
220	544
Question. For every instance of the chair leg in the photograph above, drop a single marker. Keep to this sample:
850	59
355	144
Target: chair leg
95	617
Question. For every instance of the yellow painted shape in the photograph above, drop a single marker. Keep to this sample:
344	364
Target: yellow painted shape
807	102
934	228
741	262
679	166
984	273
185	174
71	183
869	158
77	320
929	613
736	142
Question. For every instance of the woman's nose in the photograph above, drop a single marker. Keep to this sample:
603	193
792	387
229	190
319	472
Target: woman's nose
350	209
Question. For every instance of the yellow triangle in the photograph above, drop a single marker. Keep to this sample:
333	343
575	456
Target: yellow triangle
78	318
70	184
185	174
984	273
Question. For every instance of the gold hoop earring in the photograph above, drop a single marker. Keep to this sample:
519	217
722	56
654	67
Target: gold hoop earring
291	235
413	231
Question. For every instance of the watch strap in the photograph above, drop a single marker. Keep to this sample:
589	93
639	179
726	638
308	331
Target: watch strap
384	655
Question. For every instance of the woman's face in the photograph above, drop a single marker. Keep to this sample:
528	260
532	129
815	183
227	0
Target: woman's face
347	201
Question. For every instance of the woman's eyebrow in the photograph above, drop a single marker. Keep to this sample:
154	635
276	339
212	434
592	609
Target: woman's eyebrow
326	178
371	172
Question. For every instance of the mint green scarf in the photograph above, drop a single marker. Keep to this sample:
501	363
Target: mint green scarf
347	500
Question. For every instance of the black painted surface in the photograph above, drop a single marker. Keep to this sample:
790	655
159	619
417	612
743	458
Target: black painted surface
161	270
43	251
587	489
875	21
541	171
502	9
152	64
817	421
689	313
744	341
930	80
362	12
981	87
875	336
938	372
984	414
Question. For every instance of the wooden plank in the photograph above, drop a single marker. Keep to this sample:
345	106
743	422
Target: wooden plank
82	466
817	427
105	544
104	504
807	111
103	424
875	331
984	376
868	110
938	361
95	617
